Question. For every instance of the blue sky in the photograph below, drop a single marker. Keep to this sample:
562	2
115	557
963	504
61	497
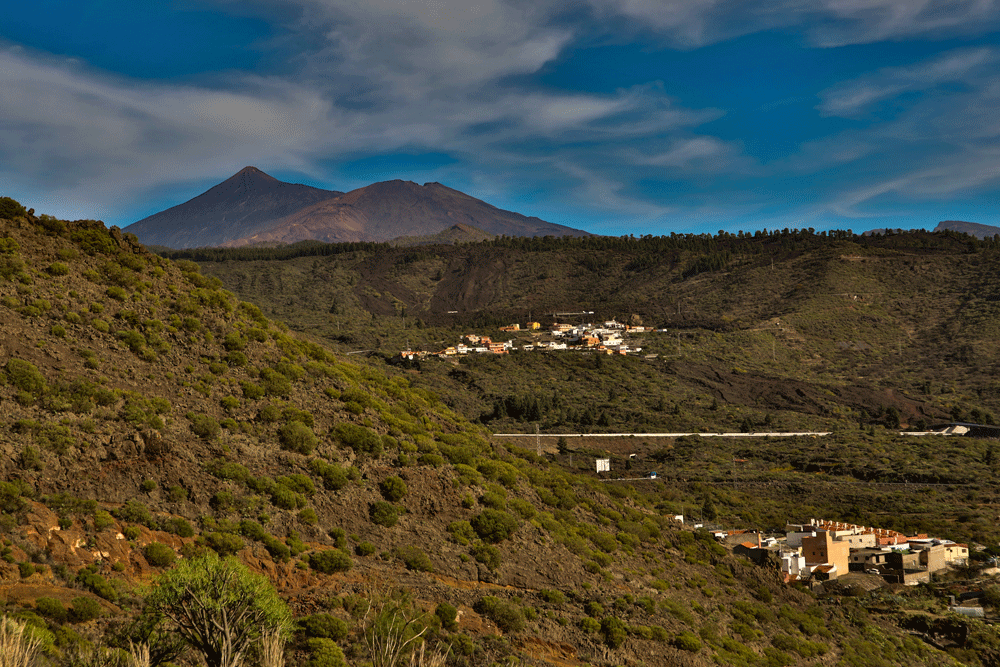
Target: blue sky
614	116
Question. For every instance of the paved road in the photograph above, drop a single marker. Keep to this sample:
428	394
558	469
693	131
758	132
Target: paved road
766	434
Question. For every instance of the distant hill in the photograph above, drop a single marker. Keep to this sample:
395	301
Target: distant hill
457	234
973	228
246	204
254	209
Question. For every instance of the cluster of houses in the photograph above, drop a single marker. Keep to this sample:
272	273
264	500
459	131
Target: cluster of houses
825	550
607	338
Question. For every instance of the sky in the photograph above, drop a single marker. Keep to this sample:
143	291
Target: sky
614	116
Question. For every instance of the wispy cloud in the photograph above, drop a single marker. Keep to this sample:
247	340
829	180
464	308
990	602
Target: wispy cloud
853	97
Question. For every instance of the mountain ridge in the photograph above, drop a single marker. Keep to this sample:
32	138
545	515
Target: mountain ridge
253	208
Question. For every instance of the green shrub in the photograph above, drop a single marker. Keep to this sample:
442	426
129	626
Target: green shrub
392	488
330	561
178	526
96	584
461	531
83	609
204	426
251	391
494	525
325	653
25	376
308	516
364	549
323	626
334	477
224	544
362	440
297	437
486	554
147	486
509	617
102	520
687	641
414	559
51	608
158	554
448	616
614	630
134	511
383	513
590	625
11	209
552	596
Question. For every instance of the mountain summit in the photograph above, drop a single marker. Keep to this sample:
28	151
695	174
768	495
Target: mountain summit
253	208
245	204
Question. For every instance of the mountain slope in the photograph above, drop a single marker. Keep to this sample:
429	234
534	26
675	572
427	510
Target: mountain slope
245	204
394	209
252	208
971	228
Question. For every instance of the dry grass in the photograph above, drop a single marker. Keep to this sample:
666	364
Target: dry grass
272	648
138	655
17	649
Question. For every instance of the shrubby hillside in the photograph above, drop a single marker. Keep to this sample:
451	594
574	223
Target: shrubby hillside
150	416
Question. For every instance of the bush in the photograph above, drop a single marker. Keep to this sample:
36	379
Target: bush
687	641
364	549
323	626
334	477
494	525
486	554
461	531
383	513
26	377
614	630
330	561
552	596
448	615
51	608
158	554
84	609
297	437
392	489
414	559
224	544
362	440
308	516
204	426
178	526
509	617
325	653
11	209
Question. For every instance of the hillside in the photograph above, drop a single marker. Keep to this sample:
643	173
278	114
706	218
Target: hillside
149	414
782	331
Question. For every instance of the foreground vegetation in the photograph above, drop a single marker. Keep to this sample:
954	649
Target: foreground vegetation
151	417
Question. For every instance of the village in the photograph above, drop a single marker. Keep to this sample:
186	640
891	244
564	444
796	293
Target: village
821	551
608	338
